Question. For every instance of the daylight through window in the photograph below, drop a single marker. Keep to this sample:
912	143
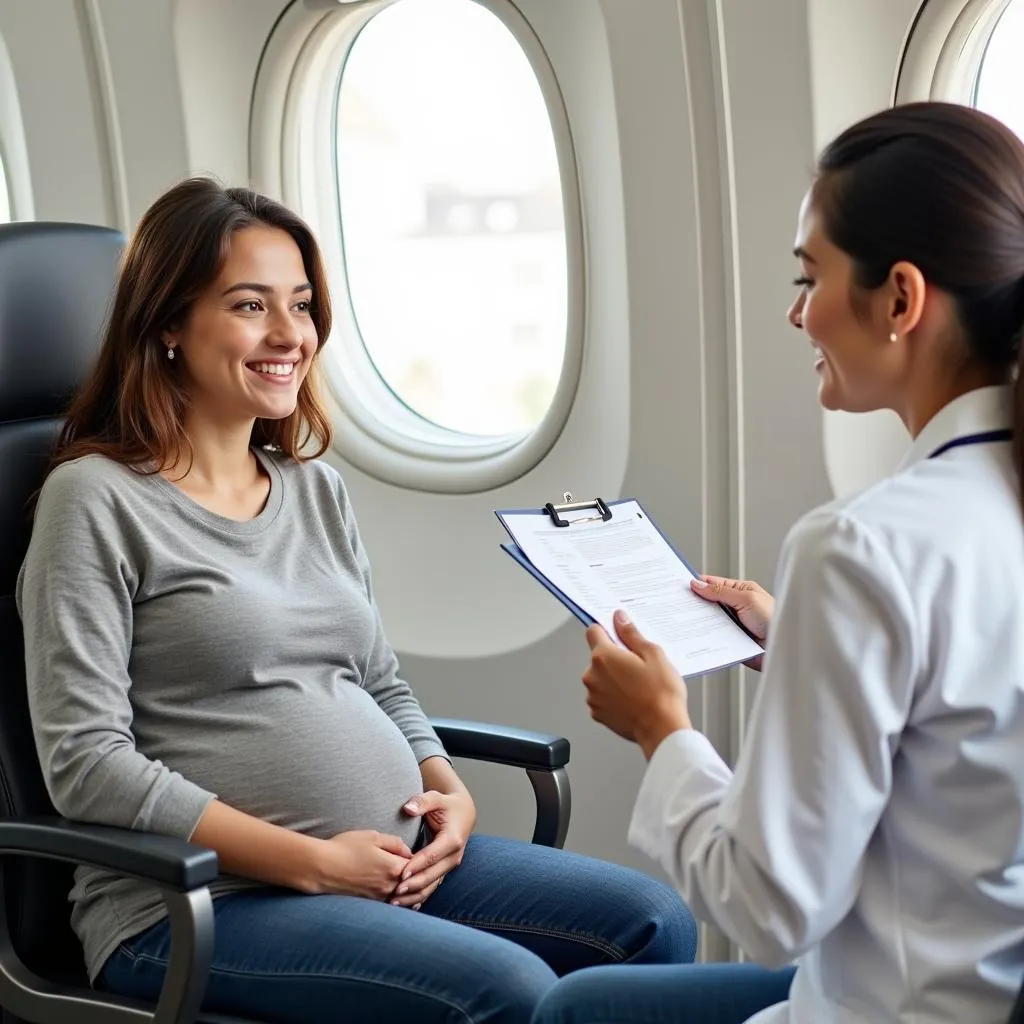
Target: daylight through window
452	216
1000	85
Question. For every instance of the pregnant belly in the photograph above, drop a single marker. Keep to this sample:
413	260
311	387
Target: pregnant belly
314	764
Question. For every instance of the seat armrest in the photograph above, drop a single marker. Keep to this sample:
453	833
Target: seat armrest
179	869
172	864
542	755
502	744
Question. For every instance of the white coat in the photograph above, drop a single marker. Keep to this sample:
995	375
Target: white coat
874	827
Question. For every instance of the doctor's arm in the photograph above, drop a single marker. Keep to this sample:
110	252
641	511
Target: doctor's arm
773	855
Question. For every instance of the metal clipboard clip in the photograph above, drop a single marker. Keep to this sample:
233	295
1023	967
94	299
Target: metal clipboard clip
569	505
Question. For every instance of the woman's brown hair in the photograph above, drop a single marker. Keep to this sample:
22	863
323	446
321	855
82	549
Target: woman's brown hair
941	186
132	407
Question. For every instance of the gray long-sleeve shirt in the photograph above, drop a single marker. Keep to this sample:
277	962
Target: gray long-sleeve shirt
175	655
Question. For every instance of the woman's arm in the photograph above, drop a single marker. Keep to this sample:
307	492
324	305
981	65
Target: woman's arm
74	595
439	775
251	848
380	677
773	855
362	863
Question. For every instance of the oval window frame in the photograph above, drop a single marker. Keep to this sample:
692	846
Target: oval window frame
944	50
291	157
13	147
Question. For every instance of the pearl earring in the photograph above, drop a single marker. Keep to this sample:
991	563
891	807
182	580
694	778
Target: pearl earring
892	337
170	352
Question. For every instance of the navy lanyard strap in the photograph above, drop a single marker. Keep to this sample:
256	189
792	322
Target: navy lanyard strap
984	438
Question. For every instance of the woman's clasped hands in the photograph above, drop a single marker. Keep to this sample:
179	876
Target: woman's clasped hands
451	817
636	692
378	866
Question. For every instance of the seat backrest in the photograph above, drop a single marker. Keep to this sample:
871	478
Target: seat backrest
56	283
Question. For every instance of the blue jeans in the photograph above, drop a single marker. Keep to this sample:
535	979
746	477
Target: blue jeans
696	994
485	947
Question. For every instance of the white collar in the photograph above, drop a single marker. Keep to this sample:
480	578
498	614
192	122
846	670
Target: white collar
975	412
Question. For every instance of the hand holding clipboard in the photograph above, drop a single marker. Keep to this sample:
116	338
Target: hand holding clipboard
598	556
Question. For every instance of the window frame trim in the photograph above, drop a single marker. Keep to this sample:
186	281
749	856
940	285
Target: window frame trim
13	146
376	430
945	48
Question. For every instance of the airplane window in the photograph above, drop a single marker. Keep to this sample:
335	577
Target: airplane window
999	89
452	216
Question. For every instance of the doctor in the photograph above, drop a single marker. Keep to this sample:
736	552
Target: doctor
873	828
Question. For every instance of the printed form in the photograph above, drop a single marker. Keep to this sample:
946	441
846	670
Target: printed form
626	563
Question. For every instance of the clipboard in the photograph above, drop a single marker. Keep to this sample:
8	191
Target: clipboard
566	515
518	556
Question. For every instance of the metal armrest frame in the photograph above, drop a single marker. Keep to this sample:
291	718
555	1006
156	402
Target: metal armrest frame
180	870
541	755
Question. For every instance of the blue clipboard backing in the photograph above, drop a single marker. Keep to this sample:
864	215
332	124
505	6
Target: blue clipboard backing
517	554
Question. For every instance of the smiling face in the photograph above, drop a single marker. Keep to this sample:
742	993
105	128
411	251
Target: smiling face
249	338
858	366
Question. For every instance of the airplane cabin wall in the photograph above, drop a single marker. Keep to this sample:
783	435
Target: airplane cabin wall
855	57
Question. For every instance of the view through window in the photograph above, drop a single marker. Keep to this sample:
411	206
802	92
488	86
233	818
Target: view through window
1000	86
452	218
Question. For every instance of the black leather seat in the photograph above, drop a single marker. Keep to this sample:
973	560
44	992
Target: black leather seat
56	281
